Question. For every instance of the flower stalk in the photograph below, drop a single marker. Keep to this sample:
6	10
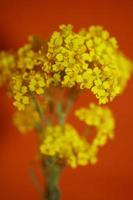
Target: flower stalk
52	173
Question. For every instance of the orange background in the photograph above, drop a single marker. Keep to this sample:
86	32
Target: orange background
112	177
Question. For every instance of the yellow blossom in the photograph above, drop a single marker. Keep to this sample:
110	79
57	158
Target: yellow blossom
64	143
37	83
26	57
20	92
7	63
26	120
88	59
100	118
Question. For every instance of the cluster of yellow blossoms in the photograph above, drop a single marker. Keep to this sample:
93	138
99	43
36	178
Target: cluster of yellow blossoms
87	59
7	63
101	119
64	142
26	120
28	77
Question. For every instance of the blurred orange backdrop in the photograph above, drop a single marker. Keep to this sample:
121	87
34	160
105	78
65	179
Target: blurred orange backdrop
112	177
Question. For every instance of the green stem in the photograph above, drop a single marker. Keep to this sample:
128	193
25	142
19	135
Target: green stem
35	180
52	175
38	108
59	112
51	169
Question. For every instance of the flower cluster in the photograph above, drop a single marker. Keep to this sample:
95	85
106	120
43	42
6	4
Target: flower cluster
88	59
26	120
64	142
28	76
100	118
23	85
7	63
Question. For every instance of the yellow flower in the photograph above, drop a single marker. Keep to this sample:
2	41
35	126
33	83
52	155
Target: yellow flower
26	57
100	118
37	83
28	73
64	143
88	59
7	63
26	120
20	92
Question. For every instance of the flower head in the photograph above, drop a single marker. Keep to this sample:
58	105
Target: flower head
7	63
100	118
26	120
64	143
88	59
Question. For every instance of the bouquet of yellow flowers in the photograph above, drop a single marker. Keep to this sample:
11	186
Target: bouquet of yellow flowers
45	78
